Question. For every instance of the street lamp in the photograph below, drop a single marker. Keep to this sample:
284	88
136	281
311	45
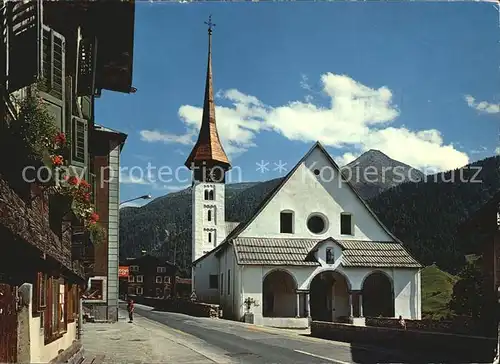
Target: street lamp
145	197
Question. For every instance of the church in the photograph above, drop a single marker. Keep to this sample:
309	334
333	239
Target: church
312	250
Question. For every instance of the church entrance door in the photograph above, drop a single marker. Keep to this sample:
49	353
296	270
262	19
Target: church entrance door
328	296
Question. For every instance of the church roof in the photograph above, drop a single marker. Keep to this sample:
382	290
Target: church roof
208	148
296	252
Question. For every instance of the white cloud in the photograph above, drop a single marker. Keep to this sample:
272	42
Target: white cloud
482	106
345	158
497	150
157	136
129	178
356	117
482	149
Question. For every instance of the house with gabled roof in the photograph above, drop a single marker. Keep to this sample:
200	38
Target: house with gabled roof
313	249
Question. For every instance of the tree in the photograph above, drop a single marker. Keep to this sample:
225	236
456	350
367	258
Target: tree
469	298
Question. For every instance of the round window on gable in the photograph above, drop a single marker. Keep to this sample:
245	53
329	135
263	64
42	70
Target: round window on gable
317	224
317	172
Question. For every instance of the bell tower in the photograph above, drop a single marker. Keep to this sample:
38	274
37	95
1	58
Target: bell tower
209	163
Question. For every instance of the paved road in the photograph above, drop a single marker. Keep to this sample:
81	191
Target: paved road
242	343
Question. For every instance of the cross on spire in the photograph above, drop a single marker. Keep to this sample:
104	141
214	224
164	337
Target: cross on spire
210	24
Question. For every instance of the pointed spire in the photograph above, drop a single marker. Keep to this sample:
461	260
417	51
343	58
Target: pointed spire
208	148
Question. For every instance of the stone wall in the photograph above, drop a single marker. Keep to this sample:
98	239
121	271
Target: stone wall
431	345
197	309
463	326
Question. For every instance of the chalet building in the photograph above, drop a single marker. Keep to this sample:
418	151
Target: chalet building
51	72
485	225
312	249
149	276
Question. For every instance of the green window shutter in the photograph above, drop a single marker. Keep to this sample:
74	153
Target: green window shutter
53	85
23	27
87	107
79	141
87	57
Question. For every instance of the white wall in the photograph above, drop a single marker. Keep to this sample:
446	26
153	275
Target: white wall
304	193
201	279
229	301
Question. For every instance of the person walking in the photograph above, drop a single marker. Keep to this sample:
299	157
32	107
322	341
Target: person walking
130	309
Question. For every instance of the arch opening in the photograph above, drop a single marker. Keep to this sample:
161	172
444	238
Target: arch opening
378	296
329	297
279	295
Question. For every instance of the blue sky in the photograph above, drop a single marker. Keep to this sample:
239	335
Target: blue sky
418	81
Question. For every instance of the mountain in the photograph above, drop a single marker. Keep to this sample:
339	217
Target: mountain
423	214
374	172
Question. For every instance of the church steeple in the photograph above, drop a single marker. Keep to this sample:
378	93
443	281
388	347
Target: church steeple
208	150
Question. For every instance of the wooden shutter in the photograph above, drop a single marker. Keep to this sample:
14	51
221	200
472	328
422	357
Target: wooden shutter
87	57
24	26
53	85
79	141
87	107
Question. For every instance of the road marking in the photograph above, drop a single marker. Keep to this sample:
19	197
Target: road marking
322	357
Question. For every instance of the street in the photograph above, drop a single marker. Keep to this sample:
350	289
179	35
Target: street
242	343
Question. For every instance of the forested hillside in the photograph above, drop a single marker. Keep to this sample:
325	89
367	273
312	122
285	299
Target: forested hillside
425	215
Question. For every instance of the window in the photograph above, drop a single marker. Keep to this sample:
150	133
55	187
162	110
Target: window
140	279
209	237
228	281
138	291
96	291
211	195
158	279
161	269
41	291
166	279
222	283
79	141
131	278
209	215
330	258
286	222
158	292
62	313
317	224
214	281
345	224
134	268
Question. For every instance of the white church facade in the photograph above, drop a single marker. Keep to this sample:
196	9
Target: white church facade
313	249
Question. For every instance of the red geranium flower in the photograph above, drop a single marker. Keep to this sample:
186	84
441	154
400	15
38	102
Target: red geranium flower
57	160
94	217
84	184
60	139
73	180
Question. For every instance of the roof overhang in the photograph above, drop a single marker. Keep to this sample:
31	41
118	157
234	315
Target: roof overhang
100	134
112	22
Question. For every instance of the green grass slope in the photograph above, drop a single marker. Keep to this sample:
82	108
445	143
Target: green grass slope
437	288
